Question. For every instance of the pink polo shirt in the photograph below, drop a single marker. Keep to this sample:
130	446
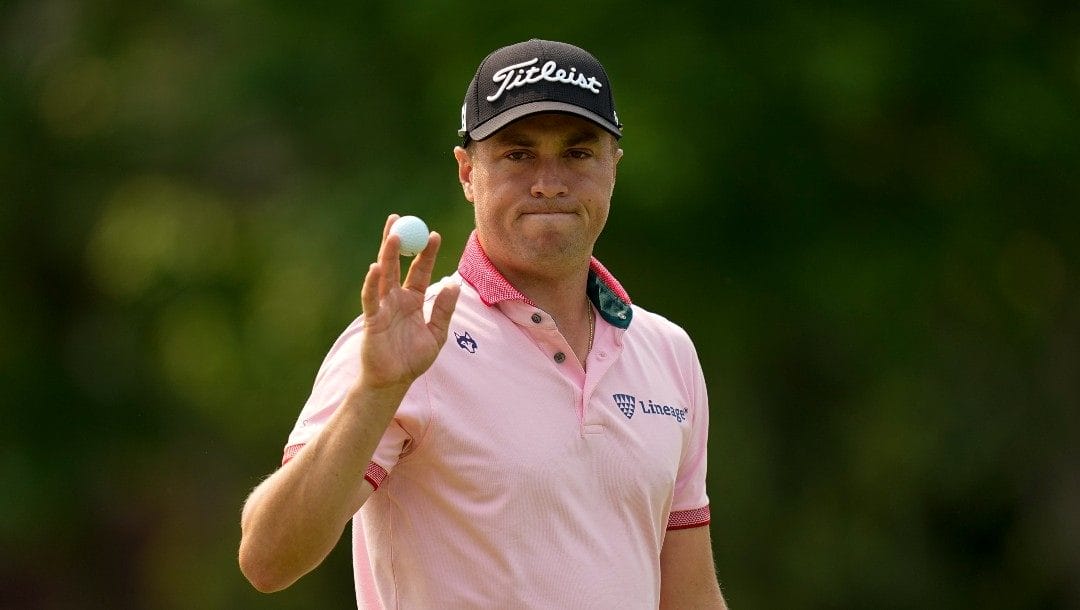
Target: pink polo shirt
511	477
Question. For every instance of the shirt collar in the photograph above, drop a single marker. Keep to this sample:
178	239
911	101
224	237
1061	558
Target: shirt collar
605	292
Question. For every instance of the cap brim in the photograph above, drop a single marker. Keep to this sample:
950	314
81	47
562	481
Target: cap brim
519	112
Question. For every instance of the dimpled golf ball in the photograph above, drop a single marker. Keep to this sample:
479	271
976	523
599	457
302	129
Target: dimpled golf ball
413	234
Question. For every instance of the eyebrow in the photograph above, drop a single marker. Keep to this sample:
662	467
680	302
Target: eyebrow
583	137
514	137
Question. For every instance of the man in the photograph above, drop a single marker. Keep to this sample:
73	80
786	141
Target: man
553	454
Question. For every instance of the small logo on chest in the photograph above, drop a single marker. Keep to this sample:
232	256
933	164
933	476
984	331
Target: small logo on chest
629	403
466	342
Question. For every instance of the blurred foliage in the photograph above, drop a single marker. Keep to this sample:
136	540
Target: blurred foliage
865	214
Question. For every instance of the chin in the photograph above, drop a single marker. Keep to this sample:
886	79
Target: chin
557	247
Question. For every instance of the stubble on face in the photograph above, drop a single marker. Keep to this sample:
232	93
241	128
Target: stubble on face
541	189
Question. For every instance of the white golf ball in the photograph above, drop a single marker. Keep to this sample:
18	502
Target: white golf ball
413	234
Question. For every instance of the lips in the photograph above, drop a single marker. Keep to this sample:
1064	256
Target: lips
550	210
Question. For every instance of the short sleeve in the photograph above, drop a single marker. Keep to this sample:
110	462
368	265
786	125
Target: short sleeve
335	378
690	504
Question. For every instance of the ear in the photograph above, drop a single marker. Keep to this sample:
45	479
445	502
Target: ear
615	166
464	170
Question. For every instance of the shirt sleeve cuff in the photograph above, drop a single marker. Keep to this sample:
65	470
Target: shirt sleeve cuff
290	452
375	474
685	519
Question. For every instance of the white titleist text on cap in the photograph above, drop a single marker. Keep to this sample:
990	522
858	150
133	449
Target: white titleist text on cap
550	71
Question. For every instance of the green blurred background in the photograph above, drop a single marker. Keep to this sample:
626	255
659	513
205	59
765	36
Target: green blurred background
866	214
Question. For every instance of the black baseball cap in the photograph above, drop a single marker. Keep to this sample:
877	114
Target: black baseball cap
533	77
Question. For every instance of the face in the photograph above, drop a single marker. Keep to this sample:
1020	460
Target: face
541	188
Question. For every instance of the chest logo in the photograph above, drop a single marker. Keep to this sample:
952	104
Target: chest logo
628	404
466	342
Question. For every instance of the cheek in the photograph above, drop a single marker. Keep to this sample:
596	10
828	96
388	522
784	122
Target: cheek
478	187
602	215
495	190
483	183
603	184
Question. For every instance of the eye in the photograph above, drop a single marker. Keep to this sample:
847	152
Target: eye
577	153
517	155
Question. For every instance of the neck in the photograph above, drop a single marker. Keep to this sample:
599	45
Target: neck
570	307
560	290
562	297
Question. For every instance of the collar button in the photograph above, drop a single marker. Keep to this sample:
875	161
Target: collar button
536	318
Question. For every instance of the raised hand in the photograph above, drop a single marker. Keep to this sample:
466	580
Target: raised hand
399	344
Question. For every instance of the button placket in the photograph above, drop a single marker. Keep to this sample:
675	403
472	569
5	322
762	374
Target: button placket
547	336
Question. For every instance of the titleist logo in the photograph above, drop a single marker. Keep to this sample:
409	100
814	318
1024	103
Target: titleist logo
527	73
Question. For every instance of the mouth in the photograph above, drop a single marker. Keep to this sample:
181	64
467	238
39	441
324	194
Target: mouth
549	217
550	212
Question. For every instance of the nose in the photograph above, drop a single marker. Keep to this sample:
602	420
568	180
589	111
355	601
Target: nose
549	183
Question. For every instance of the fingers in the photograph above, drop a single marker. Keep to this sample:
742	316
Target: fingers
390	220
377	282
385	274
369	294
388	259
443	309
419	276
